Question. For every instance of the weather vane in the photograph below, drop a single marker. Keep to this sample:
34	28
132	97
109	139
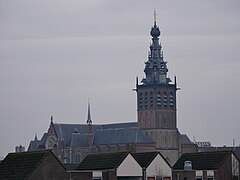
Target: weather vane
155	15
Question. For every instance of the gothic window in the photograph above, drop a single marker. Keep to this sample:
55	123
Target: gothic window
171	100
78	157
165	100
51	141
159	101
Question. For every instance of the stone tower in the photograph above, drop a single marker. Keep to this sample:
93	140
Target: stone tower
156	101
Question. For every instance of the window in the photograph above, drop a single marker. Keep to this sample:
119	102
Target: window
210	178
97	178
151	99
146	100
171	100
159	101
199	178
78	158
165	100
140	100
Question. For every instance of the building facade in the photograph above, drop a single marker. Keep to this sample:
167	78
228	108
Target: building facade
37	165
156	101
214	165
155	130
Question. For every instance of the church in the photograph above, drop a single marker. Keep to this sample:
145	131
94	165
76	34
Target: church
155	129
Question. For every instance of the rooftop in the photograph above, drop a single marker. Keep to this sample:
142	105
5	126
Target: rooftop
203	160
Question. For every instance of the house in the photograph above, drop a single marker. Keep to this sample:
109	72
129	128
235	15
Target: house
111	166
154	166
213	165
35	165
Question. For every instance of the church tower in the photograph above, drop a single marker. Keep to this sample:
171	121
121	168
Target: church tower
156	100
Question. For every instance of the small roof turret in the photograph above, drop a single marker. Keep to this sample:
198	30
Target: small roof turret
89	120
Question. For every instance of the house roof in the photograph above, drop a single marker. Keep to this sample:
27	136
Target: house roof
18	166
70	167
203	160
102	161
235	149
144	159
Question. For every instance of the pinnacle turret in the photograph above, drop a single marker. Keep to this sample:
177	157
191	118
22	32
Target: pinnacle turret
155	68
89	120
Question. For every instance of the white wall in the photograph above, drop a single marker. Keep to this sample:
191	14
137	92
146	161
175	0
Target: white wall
159	166
97	173
129	167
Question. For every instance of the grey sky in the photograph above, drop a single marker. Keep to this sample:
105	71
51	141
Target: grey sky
56	54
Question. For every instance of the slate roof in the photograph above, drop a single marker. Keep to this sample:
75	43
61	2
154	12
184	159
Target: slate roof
120	133
64	131
102	161
19	166
70	167
235	149
78	140
203	160
119	125
34	144
38	144
120	136
183	138
144	159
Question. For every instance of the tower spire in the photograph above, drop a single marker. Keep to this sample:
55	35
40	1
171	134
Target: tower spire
155	17
51	119
89	120
35	138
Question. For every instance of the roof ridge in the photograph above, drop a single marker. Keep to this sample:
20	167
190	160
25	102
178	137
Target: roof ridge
29	152
209	152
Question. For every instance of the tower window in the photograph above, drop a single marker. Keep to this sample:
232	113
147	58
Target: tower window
151	99
171	100
159	101
146	100
165	100
140	100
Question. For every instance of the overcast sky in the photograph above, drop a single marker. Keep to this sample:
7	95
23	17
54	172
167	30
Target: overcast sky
56	54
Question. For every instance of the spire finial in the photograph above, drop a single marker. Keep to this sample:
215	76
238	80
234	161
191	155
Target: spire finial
155	16
51	119
89	121
35	138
